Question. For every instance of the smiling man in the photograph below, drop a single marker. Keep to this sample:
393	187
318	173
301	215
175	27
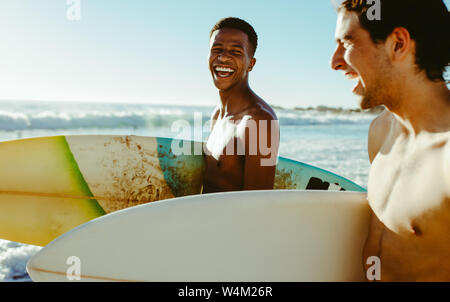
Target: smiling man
242	149
399	62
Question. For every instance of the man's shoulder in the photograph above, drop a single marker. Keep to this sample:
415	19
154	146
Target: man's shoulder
447	163
257	118
379	129
261	111
382	121
215	113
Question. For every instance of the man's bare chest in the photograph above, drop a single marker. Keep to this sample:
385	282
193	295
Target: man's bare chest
407	186
225	140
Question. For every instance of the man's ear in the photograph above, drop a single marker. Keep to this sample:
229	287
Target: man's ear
251	65
400	44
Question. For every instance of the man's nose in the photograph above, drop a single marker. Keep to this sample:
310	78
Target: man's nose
337	60
223	57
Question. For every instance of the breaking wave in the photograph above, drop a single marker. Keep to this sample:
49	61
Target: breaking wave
49	116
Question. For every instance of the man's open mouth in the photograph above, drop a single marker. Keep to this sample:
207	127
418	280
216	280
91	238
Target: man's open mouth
223	72
355	77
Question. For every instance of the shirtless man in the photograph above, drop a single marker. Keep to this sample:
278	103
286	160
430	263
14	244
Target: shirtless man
242	149
399	62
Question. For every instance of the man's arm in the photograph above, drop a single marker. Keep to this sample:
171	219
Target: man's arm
379	128
261	152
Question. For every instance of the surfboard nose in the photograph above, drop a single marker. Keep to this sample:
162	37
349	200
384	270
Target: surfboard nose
40	269
33	269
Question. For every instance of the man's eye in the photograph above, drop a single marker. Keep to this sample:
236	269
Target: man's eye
236	52
216	50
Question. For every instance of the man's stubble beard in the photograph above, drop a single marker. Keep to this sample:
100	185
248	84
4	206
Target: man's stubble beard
383	89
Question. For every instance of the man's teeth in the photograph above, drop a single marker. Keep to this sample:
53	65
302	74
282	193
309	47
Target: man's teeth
224	69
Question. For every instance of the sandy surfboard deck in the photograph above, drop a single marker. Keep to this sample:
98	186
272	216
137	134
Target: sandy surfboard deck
50	185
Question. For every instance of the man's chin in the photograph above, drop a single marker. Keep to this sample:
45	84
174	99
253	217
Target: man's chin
222	87
366	103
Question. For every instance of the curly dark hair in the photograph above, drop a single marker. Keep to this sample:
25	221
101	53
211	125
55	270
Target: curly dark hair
428	23
239	24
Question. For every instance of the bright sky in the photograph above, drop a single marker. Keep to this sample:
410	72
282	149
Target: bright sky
155	51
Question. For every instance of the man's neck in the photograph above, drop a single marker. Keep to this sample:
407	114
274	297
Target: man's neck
424	106
234	100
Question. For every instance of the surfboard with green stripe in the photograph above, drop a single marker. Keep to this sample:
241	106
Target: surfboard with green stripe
50	185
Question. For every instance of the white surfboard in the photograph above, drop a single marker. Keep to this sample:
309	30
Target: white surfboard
273	236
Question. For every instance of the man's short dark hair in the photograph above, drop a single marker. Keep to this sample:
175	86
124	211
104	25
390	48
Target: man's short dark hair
427	21
238	24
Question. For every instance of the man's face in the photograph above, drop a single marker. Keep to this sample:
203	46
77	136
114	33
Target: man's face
362	60
230	58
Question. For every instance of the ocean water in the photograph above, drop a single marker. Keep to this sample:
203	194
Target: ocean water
335	140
